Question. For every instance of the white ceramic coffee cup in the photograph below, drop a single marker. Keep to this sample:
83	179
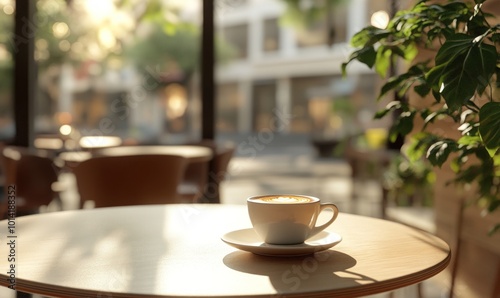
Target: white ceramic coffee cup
286	218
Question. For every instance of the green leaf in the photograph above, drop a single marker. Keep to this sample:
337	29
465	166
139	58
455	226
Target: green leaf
365	55
439	152
455	165
437	95
383	61
494	205
360	38
368	37
401	83
495	37
418	145
403	125
457	69
455	46
411	51
468	175
433	76
391	84
469	140
483	155
422	89
480	65
458	88
467	114
496	160
472	129
430	117
492	152
489	125
381	114
393	105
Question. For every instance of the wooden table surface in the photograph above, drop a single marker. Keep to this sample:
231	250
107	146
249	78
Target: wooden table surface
176	251
192	153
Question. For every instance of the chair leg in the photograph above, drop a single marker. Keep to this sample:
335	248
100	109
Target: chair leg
420	293
23	295
496	291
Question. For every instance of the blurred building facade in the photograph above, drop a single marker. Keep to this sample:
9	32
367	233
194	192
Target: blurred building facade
292	66
112	75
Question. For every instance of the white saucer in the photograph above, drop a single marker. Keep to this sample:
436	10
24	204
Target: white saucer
248	240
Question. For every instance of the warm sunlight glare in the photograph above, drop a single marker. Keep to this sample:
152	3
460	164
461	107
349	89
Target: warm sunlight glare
65	130
4	53
106	38
8	9
60	29
99	10
176	100
380	19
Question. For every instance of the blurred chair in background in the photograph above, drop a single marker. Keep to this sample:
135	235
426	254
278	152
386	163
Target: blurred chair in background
130	179
31	177
202	181
476	260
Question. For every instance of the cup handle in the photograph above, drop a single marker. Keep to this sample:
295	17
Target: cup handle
322	207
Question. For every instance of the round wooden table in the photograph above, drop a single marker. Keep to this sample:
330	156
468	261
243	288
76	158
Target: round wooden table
177	251
192	153
96	142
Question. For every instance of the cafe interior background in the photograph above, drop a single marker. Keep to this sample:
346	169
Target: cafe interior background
132	69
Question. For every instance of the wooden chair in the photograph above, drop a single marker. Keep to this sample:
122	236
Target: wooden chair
30	176
377	162
415	216
201	183
130	180
476	259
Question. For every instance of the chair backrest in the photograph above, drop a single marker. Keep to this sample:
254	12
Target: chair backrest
130	180
205	178
223	156
32	173
476	258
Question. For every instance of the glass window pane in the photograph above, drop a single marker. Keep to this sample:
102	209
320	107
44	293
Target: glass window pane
264	103
119	68
237	37
271	40
228	103
320	23
291	68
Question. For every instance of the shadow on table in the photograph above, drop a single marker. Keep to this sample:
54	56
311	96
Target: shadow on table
321	271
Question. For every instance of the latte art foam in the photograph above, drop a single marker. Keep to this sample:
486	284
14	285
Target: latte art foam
286	200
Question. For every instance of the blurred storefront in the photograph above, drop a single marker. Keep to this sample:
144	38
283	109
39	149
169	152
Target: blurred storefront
292	65
132	69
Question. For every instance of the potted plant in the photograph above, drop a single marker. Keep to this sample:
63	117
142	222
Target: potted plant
450	80
459	85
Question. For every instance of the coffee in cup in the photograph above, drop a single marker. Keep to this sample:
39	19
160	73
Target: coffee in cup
287	219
